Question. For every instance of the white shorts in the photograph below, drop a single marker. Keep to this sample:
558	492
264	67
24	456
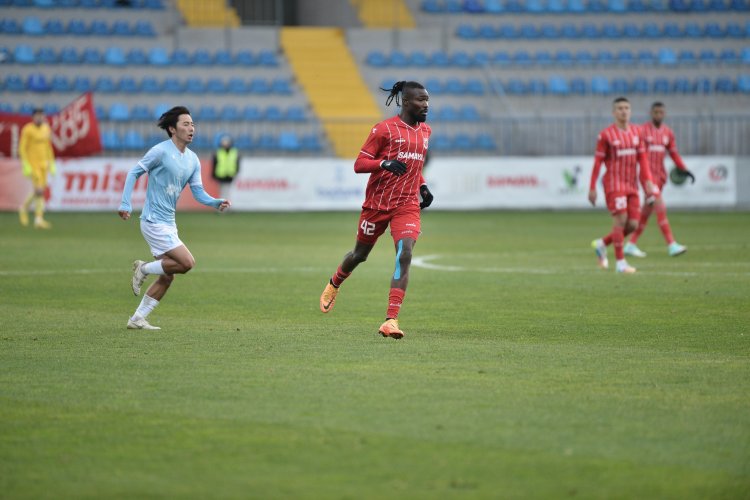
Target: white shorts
161	238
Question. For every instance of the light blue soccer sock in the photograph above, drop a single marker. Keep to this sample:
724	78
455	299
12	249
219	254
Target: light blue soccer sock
154	267
147	305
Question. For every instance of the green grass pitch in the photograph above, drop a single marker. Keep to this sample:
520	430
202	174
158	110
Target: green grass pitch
526	372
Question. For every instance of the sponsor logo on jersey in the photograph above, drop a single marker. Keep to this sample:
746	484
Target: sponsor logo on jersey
403	155
626	152
400	141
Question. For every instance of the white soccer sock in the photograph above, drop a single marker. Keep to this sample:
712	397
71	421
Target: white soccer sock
154	267
147	305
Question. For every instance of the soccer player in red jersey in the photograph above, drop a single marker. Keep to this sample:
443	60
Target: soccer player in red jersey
620	148
658	140
393	155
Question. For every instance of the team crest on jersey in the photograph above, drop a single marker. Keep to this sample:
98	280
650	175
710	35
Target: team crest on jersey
374	130
635	140
665	140
425	143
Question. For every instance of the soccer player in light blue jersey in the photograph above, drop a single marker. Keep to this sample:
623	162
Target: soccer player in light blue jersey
170	165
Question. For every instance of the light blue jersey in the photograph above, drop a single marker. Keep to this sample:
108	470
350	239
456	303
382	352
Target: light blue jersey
169	171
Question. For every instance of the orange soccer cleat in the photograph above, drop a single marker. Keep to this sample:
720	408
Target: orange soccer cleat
390	329
328	298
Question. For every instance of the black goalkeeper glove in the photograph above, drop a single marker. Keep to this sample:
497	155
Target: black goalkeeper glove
426	196
394	166
688	173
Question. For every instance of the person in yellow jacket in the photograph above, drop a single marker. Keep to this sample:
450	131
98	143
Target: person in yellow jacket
38	160
226	165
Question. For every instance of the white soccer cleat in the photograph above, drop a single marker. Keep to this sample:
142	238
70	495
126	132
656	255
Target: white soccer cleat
632	250
600	249
624	268
676	249
138	277
141	324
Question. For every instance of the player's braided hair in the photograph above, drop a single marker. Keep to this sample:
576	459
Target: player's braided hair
169	118
398	89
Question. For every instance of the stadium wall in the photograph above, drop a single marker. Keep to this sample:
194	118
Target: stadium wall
289	184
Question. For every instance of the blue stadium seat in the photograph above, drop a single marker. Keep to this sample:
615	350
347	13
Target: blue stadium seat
610	30
672	30
439	59
719	5
735	30
37	82
377	59
144	29
160	109
549	31
651	30
714	30
121	28
26	108
82	84
461	59
469	113
115	56
563	58
724	85
660	86
60	83
32	25
289	141
576	6
310	142
149	85
224	58
194	86
54	27
605	58
267	59
46	55
584	58
77	27
509	32
543	58
432	6
24	54
474	87
515	86
646	58
207	113
617	6
215	86
433	86
702	85
486	31
620	86
707	56
137	57
140	112
687	57
693	30
745	56
128	85
202	57
700	6
266	142
66	3
522	58
514	6
14	83
667	57
637	6
398	59
44	4
252	113
600	85
468	32
440	142
10	27
728	56
453	86
105	85
91	55
88	4
281	86
631	30
237	85
590	31
295	114
485	142
597	6
99	27
245	58
181	57
158	56
259	86
50	108
640	85
473	6
625	58
537	86
482	58
132	139
172	85
578	86
529	31
153	4
244	142
6	107
743	84
110	140
536	6
463	142
501	59
494	6
681	85
119	112
740	5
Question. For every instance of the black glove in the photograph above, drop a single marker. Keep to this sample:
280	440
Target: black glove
394	166
426	196
688	173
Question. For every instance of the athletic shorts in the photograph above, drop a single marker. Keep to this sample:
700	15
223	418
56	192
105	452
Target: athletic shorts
404	222
620	203
39	177
161	238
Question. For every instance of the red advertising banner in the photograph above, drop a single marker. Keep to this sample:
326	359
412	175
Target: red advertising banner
75	130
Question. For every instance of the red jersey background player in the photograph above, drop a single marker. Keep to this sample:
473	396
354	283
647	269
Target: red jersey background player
620	148
659	140
393	155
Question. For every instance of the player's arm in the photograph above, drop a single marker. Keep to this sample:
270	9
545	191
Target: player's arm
645	176
51	158
599	155
677	159
200	194
127	191
23	144
370	156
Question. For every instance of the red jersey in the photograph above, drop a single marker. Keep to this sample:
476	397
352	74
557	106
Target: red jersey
621	151
393	139
659	141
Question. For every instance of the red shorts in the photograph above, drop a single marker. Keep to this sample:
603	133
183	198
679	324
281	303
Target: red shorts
404	222
620	203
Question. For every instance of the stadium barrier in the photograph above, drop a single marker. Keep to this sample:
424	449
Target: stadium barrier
282	184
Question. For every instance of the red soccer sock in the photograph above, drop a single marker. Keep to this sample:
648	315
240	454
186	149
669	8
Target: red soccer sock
395	298
607	240
338	277
618	236
661	216
645	214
